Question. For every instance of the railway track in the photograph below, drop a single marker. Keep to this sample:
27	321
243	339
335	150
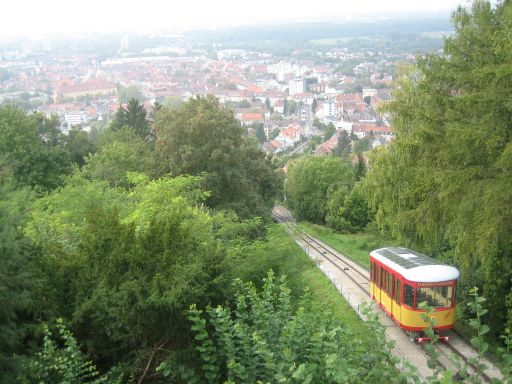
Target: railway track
360	277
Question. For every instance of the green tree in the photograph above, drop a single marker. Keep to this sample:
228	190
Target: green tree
114	161
360	167
16	280
292	107
244	104
344	146
312	181
329	130
444	184
32	149
130	92
202	136
260	134
348	211
286	107
172	102
79	145
135	117
362	145
314	106
275	132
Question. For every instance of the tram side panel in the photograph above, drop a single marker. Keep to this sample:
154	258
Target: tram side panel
398	299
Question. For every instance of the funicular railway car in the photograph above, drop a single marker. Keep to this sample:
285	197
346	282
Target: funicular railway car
401	279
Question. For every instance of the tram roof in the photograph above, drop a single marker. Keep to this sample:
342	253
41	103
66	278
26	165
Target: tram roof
415	266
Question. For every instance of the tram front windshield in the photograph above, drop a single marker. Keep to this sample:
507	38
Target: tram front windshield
435	296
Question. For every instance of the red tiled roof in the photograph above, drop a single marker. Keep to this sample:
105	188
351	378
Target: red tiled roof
252	117
290	132
90	85
349	97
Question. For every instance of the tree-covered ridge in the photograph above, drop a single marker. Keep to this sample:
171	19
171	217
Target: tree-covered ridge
444	184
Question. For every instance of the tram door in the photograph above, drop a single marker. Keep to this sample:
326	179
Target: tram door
397	295
375	277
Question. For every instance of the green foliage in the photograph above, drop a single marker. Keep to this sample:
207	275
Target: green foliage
275	132
481	346
60	365
31	149
16	279
444	184
202	137
348	211
57	218
263	339
128	93
290	106
172	102
135	117
362	145
429	347
344	146
250	260
315	183
79	145
260	134
113	161
506	354
123	266
329	130
244	104
360	168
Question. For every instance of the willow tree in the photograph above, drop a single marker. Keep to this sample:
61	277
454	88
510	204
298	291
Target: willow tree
445	184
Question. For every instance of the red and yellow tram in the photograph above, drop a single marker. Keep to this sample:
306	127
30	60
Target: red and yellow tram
401	279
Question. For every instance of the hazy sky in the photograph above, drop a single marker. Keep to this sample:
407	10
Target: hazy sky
39	17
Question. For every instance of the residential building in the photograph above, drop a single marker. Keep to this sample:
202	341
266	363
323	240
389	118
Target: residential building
296	86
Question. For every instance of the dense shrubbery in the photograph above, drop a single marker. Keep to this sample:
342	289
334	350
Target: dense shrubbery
116	252
323	190
264	339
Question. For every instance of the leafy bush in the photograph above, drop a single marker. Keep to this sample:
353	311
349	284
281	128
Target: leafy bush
263	339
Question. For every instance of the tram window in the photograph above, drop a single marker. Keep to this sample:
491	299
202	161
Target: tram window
437	297
385	281
390	284
408	295
398	289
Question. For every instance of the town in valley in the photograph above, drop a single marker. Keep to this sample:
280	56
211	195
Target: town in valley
295	97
